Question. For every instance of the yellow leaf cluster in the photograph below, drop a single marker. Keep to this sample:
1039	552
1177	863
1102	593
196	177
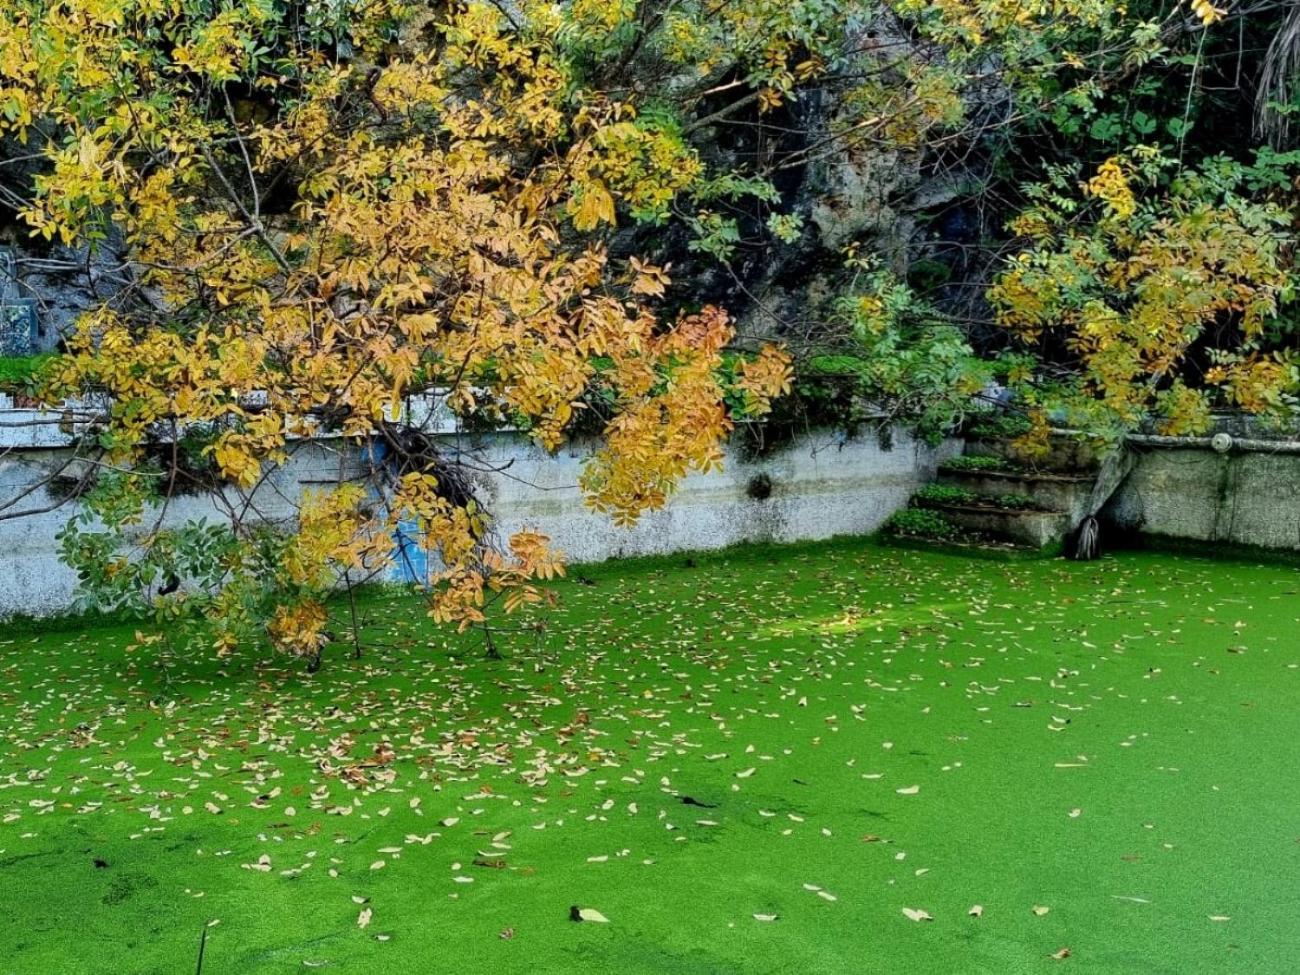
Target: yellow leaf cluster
1134	292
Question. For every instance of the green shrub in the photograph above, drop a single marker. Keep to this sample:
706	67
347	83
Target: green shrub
17	373
923	523
977	462
944	494
998	426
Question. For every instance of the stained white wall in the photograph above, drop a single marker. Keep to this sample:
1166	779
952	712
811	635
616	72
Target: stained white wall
822	485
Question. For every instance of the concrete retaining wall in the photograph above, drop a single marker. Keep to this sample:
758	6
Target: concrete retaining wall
821	485
1242	497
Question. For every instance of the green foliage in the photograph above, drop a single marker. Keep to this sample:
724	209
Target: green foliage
1001	425
922	523
1137	280
715	235
944	494
785	227
976	462
20	373
906	360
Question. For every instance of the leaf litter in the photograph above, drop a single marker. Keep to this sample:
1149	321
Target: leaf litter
634	698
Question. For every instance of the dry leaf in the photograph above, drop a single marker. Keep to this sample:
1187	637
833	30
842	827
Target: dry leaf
916	914
1061	954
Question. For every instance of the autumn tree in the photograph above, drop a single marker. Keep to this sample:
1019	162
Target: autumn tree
328	209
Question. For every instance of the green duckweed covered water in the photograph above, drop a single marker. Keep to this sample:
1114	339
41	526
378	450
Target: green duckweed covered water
810	760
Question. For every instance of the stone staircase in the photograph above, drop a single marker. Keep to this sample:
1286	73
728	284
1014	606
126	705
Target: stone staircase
994	497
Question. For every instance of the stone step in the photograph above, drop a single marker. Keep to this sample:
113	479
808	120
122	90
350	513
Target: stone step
1035	529
1064	493
1065	453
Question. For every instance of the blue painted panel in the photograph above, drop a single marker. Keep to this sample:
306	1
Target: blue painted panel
411	562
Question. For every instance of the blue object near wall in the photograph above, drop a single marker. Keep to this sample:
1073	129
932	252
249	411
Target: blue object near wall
411	563
18	325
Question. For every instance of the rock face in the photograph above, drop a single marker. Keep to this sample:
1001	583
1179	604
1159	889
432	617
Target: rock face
911	209
60	283
863	189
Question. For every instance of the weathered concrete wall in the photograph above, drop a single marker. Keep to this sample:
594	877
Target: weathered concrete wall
32	579
1242	497
821	485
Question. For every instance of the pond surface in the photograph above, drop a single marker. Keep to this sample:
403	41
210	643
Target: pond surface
833	759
